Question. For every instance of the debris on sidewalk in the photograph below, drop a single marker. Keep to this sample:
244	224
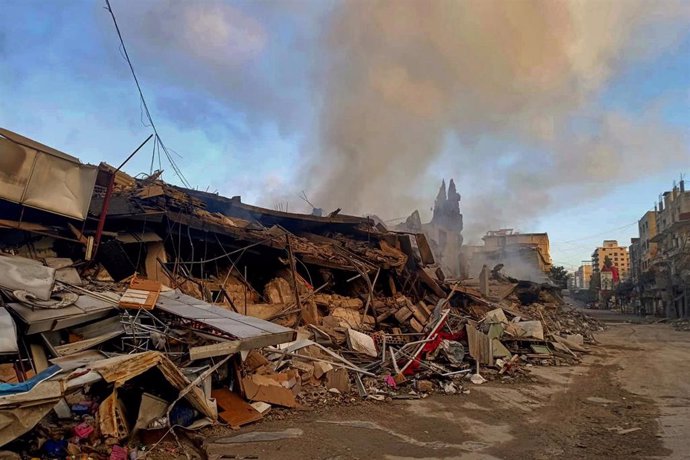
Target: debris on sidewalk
184	309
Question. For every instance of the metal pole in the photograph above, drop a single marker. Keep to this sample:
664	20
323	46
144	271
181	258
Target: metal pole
108	195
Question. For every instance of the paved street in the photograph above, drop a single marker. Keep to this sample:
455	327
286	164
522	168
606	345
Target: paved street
629	399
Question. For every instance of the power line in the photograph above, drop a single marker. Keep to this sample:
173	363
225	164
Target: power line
595	235
146	111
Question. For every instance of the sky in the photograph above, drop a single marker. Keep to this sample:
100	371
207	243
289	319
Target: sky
568	117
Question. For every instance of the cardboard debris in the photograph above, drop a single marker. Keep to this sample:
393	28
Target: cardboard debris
338	379
233	410
269	390
526	330
150	408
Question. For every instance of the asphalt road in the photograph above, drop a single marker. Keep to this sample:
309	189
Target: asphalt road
629	398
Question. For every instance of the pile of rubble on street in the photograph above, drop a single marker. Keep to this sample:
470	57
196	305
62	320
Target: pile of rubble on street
132	307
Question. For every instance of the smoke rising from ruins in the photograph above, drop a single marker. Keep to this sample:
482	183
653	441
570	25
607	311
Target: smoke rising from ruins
400	79
389	97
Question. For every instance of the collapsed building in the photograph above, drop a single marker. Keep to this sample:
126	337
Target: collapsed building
444	231
131	306
522	255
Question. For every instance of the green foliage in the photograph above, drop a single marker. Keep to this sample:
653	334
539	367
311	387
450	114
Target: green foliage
559	275
595	282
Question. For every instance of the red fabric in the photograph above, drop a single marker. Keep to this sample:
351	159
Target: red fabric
431	346
614	274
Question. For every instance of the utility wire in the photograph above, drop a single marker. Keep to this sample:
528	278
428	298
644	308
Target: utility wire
146	111
597	234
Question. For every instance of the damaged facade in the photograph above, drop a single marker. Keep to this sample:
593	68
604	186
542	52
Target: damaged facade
523	255
132	306
444	231
662	285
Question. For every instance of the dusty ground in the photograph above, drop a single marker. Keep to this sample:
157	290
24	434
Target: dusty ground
637	378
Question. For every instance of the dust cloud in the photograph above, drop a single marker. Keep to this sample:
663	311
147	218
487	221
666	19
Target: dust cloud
398	79
387	97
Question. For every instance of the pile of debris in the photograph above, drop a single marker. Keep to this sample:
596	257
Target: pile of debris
681	324
132	307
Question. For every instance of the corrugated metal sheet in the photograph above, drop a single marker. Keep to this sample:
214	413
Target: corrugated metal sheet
479	344
252	332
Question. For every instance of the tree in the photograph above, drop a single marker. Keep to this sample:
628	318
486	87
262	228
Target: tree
608	263
559	275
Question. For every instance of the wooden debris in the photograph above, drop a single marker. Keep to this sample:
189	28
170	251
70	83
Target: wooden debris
236	412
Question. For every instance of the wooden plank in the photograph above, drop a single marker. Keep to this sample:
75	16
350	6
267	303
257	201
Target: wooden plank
141	294
427	279
38	355
418	313
424	249
236	412
75	347
427	311
216	349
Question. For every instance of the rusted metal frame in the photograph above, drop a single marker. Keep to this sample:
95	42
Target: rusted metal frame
365	277
234	267
371	297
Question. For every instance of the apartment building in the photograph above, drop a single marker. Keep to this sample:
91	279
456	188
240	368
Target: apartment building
671	266
583	276
617	254
647	230
634	252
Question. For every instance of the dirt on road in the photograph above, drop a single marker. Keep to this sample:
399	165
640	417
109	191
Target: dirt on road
630	398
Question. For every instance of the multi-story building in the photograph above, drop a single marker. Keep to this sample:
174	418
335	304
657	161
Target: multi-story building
634	253
617	254
583	276
644	277
671	265
647	230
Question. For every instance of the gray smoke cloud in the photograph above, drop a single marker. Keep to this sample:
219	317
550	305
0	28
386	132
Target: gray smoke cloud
390	96
398	78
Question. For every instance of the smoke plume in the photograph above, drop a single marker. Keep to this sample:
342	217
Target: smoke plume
514	85
386	97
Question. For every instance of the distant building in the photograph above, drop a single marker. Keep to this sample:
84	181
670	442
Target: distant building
618	254
647	231
524	255
583	276
634	252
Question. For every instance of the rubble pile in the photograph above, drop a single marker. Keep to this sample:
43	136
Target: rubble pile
681	324
131	307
